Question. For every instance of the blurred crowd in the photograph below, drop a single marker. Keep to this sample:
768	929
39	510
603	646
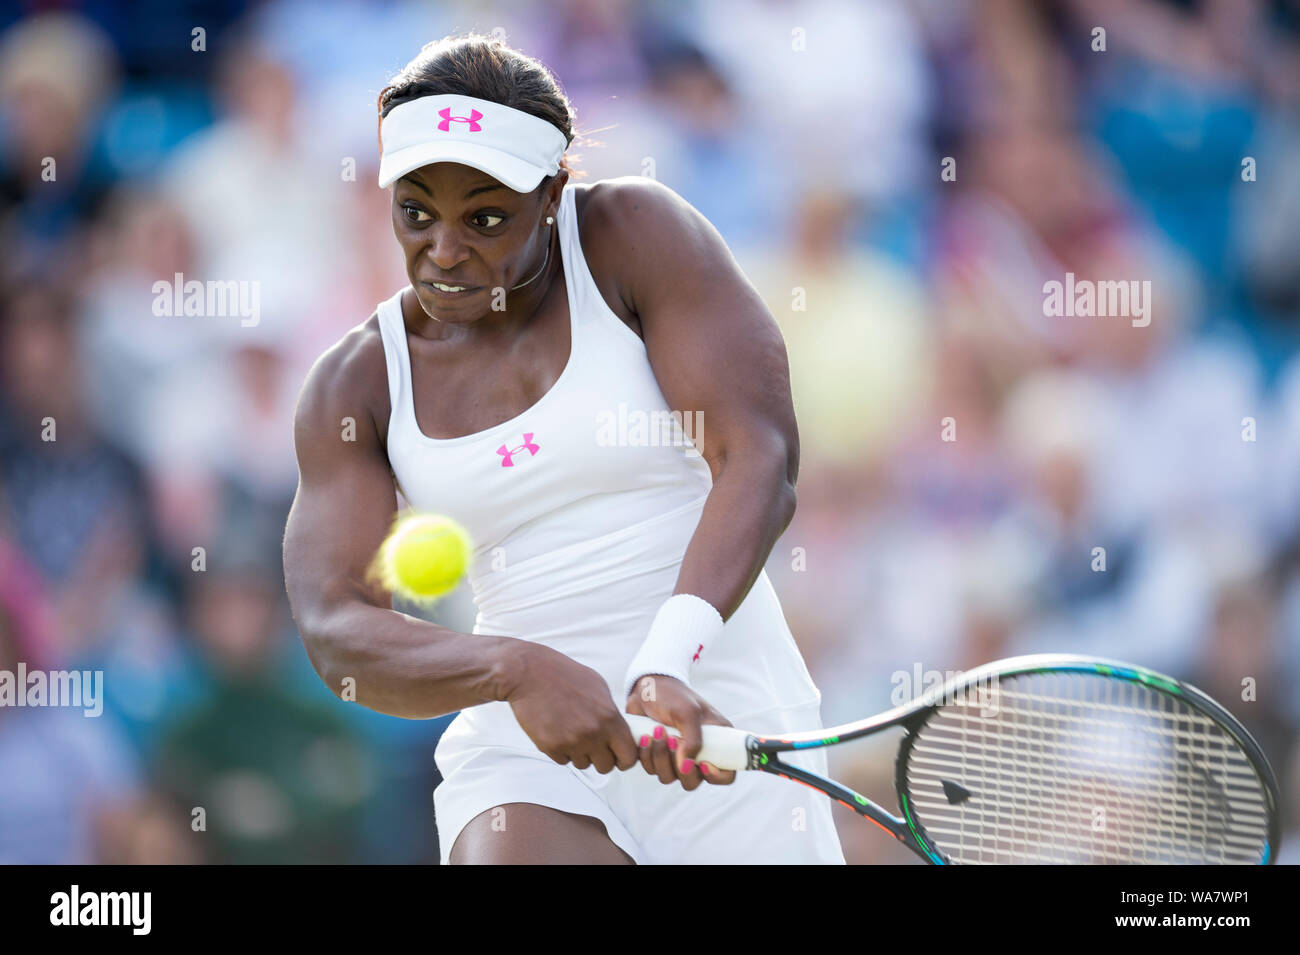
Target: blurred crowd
898	179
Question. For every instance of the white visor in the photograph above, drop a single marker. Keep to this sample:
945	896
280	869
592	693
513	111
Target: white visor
508	144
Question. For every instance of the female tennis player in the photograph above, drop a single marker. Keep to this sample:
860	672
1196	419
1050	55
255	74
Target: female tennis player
616	567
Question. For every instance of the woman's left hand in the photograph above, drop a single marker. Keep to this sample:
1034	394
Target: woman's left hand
672	703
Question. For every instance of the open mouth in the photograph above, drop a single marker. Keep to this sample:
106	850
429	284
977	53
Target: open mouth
443	288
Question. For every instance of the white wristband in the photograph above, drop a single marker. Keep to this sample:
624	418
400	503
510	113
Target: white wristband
683	629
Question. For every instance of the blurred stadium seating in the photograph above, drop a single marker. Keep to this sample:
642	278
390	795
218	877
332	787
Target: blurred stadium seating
812	134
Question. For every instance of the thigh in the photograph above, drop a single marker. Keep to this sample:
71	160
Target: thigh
524	833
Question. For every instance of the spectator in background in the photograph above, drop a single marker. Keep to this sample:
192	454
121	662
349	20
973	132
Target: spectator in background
594	45
1283	476
57	73
1240	657
603	53
1290	787
141	238
255	210
131	357
154	37
855	329
1175	93
858	127
67	775
69	498
279	780
337	60
715	161
79	508
1100	583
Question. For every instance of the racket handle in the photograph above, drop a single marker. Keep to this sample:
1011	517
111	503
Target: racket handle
724	746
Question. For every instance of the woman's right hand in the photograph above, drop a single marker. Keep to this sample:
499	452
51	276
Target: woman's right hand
567	711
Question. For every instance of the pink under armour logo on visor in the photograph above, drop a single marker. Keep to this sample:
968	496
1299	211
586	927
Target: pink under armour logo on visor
528	445
447	119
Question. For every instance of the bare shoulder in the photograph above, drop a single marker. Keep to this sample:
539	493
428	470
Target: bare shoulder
635	212
635	230
349	380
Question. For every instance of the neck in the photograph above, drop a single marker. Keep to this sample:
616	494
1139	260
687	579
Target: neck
546	260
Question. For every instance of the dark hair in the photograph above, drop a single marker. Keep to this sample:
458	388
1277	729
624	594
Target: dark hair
474	64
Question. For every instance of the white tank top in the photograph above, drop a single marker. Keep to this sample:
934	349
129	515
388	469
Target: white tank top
598	452
581	508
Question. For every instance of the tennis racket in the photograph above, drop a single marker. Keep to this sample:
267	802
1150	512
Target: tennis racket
1050	759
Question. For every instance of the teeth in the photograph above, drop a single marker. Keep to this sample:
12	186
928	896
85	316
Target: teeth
449	288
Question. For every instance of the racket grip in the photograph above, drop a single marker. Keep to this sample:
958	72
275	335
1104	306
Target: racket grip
723	747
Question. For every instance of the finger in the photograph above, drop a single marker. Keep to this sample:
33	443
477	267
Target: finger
689	775
580	761
645	754
642	739
661	756
684	768
689	747
718	777
688	771
603	759
624	746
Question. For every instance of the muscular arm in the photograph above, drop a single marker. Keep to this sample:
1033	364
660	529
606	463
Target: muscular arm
343	508
714	348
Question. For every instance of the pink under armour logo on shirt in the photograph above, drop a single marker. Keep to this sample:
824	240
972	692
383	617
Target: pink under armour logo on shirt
447	119
528	445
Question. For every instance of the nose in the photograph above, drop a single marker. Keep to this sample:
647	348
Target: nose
445	249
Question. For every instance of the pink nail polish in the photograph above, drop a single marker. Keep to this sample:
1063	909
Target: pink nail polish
659	732
672	742
688	765
645	740
704	769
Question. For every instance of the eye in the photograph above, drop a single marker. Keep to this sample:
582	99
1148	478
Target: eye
487	225
413	213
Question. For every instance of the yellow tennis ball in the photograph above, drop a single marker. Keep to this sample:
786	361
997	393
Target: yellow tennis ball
424	556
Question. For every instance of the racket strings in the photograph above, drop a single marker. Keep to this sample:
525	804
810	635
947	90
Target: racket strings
1082	768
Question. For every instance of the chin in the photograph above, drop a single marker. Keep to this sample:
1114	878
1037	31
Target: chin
449	313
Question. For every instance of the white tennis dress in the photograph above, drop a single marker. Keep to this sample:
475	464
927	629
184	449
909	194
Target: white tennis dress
580	516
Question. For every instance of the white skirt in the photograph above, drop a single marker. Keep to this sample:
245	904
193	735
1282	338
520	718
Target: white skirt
755	676
759	818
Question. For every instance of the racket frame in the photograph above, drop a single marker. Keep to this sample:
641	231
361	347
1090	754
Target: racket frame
764	750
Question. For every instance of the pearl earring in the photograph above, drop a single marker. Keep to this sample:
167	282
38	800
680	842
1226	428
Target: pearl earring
550	220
